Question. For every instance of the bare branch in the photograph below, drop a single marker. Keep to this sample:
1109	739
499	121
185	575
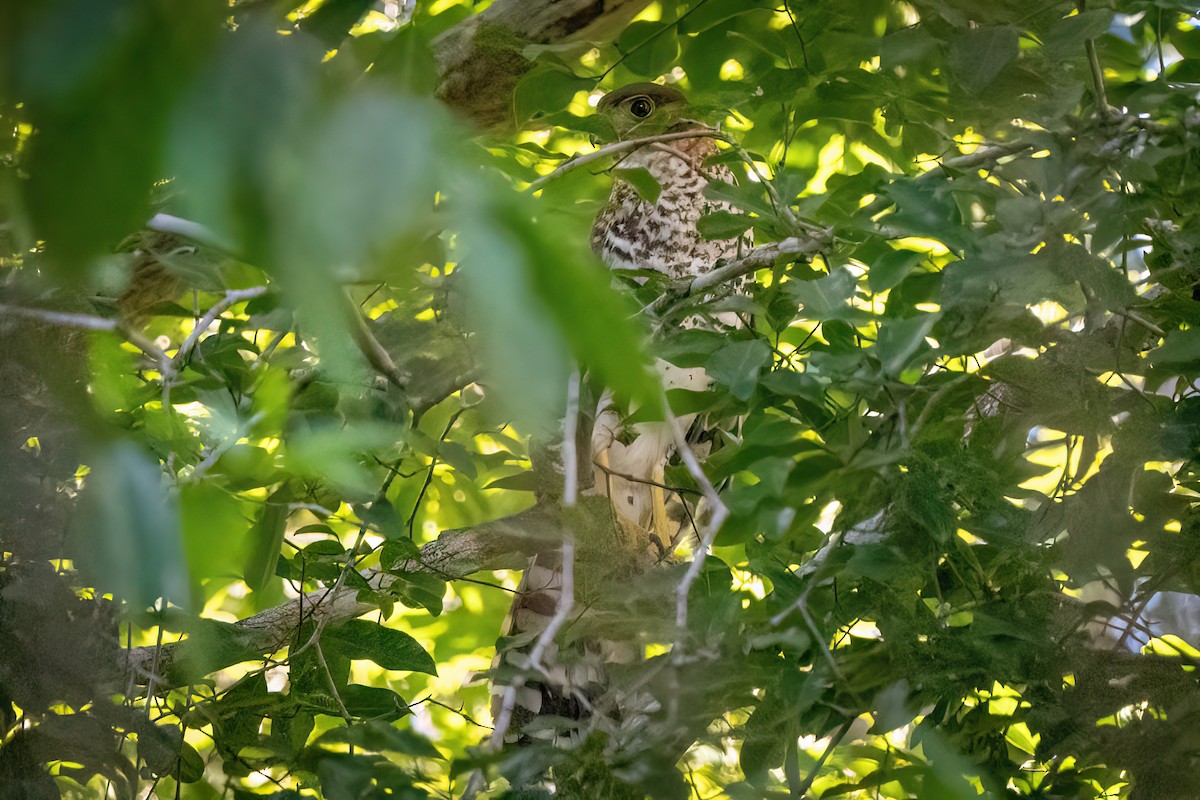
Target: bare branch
501	544
201	234
369	346
759	258
232	297
717	518
63	318
621	147
94	323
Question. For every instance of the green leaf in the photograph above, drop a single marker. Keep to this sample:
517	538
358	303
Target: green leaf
899	340
825	298
641	180
1071	32
419	590
545	88
266	537
723	225
648	47
382	518
247	466
714	12
381	737
1179	350
129	534
524	481
387	647
887	271
375	702
978	55
396	552
99	83
213	528
332	20
738	366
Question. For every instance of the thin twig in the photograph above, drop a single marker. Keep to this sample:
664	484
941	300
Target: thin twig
332	683
433	462
202	234
369	346
459	711
232	297
1140	320
215	453
717	518
94	323
976	158
607	470
1097	71
834	741
620	147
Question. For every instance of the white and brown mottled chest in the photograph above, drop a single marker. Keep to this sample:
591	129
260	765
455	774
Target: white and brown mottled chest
631	233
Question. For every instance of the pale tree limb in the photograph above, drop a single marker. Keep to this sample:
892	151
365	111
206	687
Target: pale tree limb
501	544
93	323
375	353
758	258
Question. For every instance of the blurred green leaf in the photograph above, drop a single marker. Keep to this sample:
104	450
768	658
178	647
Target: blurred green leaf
723	225
100	114
899	340
738	366
546	87
893	267
648	47
978	55
128	536
641	180
266	537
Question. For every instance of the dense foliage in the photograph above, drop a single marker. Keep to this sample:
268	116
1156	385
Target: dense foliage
969	428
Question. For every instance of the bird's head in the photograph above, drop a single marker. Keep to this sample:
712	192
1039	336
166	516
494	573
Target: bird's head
643	109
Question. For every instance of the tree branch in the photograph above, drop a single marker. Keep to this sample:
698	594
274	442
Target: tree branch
501	544
620	147
759	258
481	59
231	298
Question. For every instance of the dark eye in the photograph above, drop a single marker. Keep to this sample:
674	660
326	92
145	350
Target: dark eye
641	107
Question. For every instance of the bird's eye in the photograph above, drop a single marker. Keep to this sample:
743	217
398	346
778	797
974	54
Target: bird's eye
641	107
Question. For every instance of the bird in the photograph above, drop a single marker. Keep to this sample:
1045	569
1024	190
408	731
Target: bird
629	233
632	233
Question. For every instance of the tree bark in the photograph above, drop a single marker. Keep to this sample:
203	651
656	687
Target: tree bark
501	544
481	59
